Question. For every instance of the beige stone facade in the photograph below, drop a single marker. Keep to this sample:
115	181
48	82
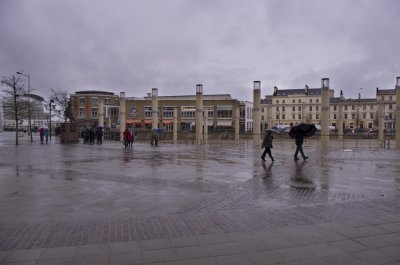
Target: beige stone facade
290	107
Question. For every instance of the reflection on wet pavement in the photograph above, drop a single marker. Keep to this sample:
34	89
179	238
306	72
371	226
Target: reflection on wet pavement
76	182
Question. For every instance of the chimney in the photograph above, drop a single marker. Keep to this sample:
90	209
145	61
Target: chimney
122	94
149	95
359	96
306	90
275	90
341	94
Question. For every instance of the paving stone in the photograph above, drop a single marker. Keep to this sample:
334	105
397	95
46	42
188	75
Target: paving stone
348	245
159	255
372	257
233	260
125	258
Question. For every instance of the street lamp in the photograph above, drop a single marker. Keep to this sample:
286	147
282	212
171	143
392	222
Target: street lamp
50	105
29	103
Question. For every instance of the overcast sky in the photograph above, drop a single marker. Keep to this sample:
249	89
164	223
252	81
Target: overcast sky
172	45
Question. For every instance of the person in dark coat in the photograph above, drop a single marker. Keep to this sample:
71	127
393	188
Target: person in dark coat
299	139
267	145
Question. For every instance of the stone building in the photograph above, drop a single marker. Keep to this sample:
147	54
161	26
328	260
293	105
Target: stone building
220	112
93	108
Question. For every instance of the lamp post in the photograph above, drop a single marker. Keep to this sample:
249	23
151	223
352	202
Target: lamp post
29	103
50	105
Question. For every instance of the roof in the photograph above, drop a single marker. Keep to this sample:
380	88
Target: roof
38	98
95	92
193	97
302	91
362	100
386	91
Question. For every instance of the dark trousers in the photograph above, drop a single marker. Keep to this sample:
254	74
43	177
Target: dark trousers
299	149
267	150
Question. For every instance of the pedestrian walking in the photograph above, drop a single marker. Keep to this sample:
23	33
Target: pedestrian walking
127	137
41	134
299	140
46	134
267	145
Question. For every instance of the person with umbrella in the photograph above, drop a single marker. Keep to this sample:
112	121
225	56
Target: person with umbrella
267	145
299	132
299	138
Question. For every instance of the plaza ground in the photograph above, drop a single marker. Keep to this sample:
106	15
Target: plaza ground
189	204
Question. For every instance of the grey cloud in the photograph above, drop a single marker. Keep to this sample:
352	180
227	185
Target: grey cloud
133	46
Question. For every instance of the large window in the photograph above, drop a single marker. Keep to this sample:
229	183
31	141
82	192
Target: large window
81	101
147	113
81	114
168	112
94	100
224	111
188	112
94	113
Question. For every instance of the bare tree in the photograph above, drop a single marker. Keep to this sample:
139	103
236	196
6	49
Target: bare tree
63	104
13	104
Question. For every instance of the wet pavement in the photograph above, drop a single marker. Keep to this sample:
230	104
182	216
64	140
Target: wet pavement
188	204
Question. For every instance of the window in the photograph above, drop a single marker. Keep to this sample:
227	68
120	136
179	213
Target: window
168	112
293	116
390	97
310	108
277	116
317	100
224	111
262	117
299	116
390	106
210	113
364	115
390	116
188	112
299	108
310	100
283	101
334	107
113	112
353	116
352	107
147	113
299	101
283	108
371	115
317	108
81	114
345	116
293	101
94	113
345	107
94	100
262	109
364	107
277	108
81	101
293	108
283	116
107	101
334	116
277	101
317	116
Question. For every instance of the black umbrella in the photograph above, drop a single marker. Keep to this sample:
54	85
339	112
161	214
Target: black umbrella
307	130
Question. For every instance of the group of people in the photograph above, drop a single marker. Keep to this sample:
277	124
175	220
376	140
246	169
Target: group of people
90	135
44	133
267	145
